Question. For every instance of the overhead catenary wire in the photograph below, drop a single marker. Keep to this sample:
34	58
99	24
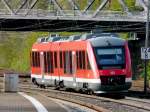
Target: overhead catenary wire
46	23
33	25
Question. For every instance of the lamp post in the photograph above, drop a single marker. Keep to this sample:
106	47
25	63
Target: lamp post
146	45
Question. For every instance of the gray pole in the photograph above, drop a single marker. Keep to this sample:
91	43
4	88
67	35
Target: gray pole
146	45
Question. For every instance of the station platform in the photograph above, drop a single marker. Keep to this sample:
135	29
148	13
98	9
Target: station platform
22	102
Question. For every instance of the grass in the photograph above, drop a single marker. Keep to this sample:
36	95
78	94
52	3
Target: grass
15	49
113	5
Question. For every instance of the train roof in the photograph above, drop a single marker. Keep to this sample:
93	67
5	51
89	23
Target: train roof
87	36
107	41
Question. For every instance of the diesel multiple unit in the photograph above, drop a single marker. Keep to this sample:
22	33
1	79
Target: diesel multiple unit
99	62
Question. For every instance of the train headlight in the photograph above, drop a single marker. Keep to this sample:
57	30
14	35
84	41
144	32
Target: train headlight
112	72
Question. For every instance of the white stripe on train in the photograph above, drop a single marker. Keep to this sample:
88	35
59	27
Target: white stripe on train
71	78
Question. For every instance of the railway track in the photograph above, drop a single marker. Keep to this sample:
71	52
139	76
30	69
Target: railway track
139	100
128	104
58	95
140	103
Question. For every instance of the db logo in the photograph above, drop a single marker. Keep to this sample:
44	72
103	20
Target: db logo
112	72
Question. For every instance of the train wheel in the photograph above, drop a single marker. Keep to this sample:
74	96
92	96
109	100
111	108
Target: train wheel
34	81
42	86
80	91
90	92
56	84
57	88
61	84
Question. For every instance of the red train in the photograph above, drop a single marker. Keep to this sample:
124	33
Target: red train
98	62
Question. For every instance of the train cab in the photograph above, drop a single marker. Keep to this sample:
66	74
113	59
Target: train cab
113	62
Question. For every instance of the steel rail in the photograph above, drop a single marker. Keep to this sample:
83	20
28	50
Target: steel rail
56	96
127	102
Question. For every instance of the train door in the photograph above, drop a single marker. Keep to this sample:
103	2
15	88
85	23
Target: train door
42	65
74	67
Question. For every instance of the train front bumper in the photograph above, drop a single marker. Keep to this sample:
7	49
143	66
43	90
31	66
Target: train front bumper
111	88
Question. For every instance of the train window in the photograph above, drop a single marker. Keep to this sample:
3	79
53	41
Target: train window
60	58
35	59
110	57
55	59
45	62
77	59
83	59
67	63
88	63
80	59
70	60
64	58
38	59
51	63
48	62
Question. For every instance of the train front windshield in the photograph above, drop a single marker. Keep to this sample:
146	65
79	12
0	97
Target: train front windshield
110	58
